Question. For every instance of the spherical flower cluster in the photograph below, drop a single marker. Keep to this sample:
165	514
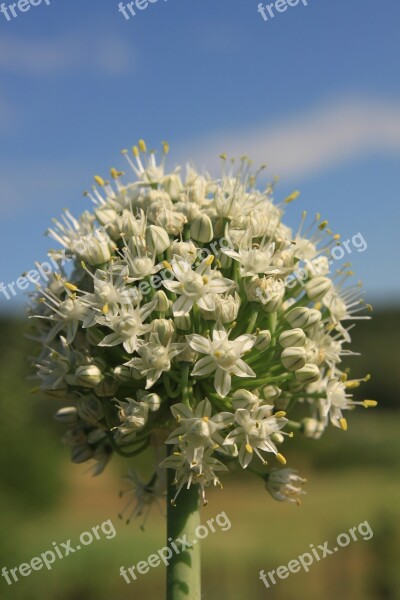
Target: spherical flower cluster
184	325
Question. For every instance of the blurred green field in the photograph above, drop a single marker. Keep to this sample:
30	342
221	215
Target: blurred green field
352	477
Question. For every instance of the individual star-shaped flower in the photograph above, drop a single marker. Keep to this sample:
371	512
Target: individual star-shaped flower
155	358
223	357
198	430
193	286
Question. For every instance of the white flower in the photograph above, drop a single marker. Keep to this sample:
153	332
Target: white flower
198	430
194	286
255	261
142	495
202	474
225	307
254	431
223	357
285	485
128	326
155	358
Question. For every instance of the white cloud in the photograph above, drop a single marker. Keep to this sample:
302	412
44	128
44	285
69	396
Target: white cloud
46	56
308	142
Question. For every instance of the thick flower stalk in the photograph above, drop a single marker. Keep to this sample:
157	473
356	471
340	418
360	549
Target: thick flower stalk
194	319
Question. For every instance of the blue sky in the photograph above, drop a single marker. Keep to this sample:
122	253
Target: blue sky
314	93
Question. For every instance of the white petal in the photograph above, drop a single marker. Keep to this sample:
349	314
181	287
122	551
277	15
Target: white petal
241	369
244	343
203	409
222	382
199	343
182	411
182	306
204	366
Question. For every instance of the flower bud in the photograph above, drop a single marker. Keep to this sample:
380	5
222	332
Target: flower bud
293	358
201	229
157	239
271	392
263	340
303	317
152	401
317	287
122	374
183	322
165	329
312	428
268	291
108	387
106	215
244	399
66	415
307	374
225	309
292	337
172	184
186	250
94	248
88	376
163	303
90	409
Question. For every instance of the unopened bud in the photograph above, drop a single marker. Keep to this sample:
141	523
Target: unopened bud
317	287
157	239
263	340
293	358
201	229
307	374
292	337
303	317
88	376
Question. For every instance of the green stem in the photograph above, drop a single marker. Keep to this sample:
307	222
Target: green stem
183	571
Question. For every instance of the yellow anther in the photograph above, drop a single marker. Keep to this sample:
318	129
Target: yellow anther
83	264
205	279
115	174
370	403
106	309
343	423
292	197
322	225
291	434
99	180
71	287
318	306
369	307
249	449
223	156
336	236
142	146
352	384
165	146
135	151
281	458
206	419
209	260
280	413
367	377
167	265
217	354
